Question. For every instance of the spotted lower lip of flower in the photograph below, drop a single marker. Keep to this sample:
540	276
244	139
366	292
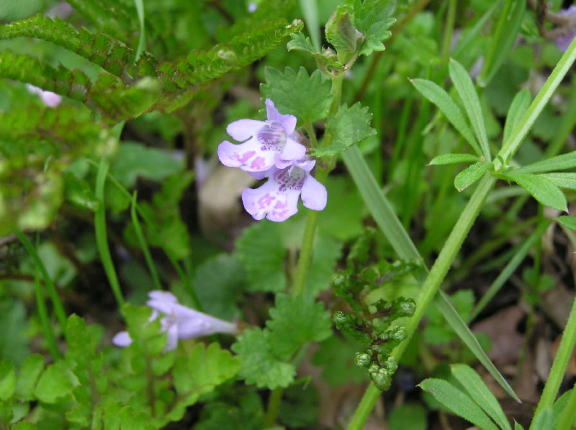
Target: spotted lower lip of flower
267	144
277	199
178	321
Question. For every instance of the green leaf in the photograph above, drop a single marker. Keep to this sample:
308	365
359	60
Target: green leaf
110	54
219	282
295	321
517	109
349	126
568	222
263	259
470	175
341	33
505	35
518	426
7	379
408	416
202	369
541	189
562	180
458	402
82	339
443	159
28	376
560	162
305	96
299	42
436	95
471	102
545	420
259	366
133	160
56	382
373	18
480	393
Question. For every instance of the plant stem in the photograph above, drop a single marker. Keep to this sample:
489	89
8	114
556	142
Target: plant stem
521	130
101	235
306	252
273	406
45	320
568	415
429	288
448	30
142	242
48	282
560	363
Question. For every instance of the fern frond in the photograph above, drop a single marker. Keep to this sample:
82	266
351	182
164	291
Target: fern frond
110	54
200	67
73	84
108	95
29	135
123	103
99	12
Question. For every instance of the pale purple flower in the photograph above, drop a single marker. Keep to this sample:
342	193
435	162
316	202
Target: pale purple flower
252	7
178	321
267	144
563	41
277	199
49	98
60	10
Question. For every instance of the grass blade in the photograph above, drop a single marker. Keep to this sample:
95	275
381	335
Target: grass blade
48	282
102	236
511	267
142	37
503	41
143	244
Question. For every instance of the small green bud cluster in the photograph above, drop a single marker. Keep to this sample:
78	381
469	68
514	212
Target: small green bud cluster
382	335
375	324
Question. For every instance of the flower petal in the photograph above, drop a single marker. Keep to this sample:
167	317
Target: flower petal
269	202
287	121
314	194
247	156
293	151
171	337
122	339
164	296
244	129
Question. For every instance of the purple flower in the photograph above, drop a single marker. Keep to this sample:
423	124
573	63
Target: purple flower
267	144
49	98
277	199
564	39
179	322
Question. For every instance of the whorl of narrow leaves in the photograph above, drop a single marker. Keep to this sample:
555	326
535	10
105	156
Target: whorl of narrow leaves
110	54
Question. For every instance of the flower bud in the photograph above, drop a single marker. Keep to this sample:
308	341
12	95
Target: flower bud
362	359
